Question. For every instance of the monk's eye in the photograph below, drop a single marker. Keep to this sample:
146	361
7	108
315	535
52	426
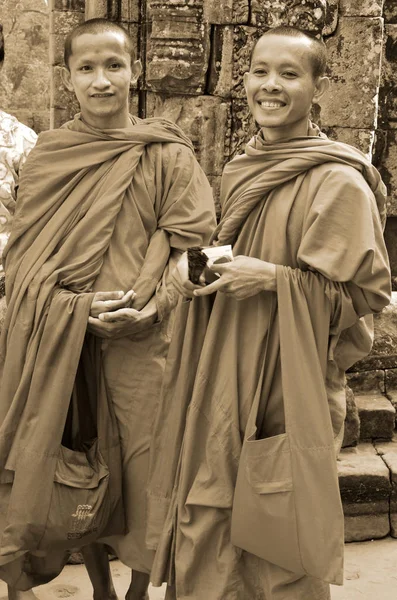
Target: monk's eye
85	68
114	66
259	72
290	74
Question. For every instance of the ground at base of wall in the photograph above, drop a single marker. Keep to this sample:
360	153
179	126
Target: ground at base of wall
370	572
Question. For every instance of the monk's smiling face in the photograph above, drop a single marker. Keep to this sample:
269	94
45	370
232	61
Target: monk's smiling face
281	86
100	73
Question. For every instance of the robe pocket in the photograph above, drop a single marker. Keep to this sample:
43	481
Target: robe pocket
268	464
264	514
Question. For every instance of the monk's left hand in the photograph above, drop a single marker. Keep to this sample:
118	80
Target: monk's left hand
241	278
123	322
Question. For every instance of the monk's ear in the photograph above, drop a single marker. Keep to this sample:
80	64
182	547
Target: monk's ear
245	79
322	87
66	79
136	70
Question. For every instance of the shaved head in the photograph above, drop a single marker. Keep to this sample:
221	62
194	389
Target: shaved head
97	26
316	47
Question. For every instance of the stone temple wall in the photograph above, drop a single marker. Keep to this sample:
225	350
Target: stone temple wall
25	77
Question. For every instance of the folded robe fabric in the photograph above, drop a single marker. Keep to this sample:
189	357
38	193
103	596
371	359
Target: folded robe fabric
315	208
70	195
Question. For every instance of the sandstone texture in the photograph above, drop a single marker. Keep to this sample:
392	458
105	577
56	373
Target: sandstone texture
384	351
25	77
365	491
367	382
204	119
361	8
352	99
351	434
377	417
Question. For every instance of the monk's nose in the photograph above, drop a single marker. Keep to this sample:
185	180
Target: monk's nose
101	80
271	84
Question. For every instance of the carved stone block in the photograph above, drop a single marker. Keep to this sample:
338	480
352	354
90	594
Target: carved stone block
306	14
244	39
205	119
388	88
361	8
243	127
61	23
178	47
215	182
351	101
130	11
390	11
225	12
25	77
77	5
388	169
363	139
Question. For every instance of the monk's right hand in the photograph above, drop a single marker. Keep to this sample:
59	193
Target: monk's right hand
180	278
110	301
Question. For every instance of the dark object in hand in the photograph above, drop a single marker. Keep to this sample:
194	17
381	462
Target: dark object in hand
198	257
197	261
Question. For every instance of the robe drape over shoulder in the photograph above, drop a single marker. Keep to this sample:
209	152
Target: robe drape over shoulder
316	209
97	210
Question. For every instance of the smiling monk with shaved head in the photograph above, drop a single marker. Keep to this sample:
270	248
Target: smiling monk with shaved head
253	403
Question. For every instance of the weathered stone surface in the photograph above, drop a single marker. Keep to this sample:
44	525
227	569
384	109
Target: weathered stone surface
243	127
215	182
25	77
365	491
307	14
77	5
384	352
391	245
351	101
204	119
331	17
225	12
363	139
367	382
178	47
352	422
377	417
390	459
390	11
388	88
387	164
366	527
221	63
130	11
96	8
361	8
61	23
244	39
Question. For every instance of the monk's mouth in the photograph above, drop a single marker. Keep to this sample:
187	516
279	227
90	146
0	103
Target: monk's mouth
101	95
269	105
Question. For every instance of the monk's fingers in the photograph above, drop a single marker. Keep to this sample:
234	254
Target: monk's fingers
123	302
219	284
122	314
103	296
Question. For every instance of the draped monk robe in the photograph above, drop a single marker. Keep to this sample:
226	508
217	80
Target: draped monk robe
315	208
96	211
